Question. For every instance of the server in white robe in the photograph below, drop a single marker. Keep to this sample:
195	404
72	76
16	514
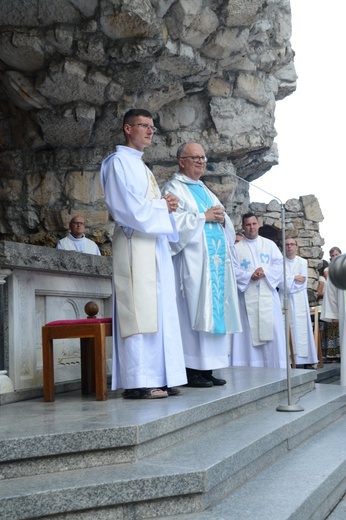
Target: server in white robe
148	357
303	342
206	285
76	239
259	270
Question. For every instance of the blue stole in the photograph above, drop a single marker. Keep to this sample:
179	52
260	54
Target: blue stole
216	245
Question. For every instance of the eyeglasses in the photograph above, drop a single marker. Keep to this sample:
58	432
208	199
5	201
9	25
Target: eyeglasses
196	158
144	125
77	224
290	244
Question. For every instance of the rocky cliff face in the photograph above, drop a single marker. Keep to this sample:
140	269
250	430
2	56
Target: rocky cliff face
209	70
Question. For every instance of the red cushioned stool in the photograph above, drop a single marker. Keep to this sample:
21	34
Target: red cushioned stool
92	333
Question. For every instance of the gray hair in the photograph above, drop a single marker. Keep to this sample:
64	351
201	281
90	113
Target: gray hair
180	150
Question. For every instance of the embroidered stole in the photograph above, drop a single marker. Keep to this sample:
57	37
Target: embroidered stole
215	242
258	296
134	275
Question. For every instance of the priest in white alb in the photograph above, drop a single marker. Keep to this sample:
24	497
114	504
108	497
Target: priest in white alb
206	286
299	316
259	271
148	359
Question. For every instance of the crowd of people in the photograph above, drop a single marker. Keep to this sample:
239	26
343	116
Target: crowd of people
191	295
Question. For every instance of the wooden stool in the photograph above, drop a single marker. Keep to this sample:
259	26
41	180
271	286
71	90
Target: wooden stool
92	333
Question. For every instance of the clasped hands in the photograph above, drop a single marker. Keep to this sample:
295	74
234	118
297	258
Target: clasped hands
215	214
172	202
258	273
300	278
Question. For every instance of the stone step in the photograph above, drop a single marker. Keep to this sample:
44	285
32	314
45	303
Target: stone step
304	484
192	474
81	433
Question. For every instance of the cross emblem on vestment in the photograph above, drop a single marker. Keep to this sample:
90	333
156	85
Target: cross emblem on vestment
245	264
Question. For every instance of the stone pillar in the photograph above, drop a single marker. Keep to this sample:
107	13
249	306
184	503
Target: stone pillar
6	384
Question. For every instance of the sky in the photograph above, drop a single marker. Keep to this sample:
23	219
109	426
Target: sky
310	122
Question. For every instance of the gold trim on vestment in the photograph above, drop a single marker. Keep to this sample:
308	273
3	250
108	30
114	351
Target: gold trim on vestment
135	277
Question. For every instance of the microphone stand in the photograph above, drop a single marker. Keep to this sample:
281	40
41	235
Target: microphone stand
289	407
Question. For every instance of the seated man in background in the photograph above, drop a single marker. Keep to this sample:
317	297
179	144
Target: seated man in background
76	239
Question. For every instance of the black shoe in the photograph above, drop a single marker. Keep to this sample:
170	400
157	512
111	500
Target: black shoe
198	381
215	380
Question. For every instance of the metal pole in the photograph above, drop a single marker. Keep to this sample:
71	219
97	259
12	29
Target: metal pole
289	407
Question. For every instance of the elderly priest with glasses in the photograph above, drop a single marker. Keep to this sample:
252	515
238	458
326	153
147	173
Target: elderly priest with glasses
205	281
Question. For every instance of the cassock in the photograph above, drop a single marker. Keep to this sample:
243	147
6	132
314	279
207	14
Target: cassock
205	281
262	342
334	308
147	343
299	312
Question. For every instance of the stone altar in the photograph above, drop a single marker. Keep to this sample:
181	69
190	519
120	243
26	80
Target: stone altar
42	285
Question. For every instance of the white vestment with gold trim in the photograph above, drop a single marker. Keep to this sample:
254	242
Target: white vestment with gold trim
147	349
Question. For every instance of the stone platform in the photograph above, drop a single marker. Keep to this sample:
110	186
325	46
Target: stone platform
218	453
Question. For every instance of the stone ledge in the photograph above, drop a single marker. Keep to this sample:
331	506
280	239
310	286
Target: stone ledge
15	255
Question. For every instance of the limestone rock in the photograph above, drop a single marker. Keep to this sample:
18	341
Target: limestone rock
22	51
22	92
209	71
191	22
312	208
77	124
242	12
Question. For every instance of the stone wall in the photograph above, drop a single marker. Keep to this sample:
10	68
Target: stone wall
209	70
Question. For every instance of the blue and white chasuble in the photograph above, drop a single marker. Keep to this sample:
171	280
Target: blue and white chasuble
202	259
216	244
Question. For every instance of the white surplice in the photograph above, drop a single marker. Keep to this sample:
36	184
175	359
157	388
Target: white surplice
154	359
261	253
299	312
82	245
203	349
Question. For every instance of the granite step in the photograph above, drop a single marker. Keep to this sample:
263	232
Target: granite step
304	484
81	433
193	472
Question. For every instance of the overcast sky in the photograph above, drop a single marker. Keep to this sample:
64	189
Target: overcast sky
310	123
